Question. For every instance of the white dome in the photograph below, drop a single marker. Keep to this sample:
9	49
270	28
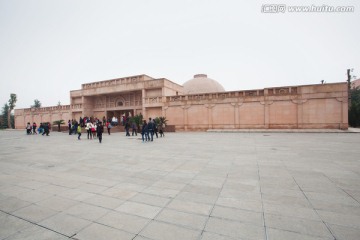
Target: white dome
202	84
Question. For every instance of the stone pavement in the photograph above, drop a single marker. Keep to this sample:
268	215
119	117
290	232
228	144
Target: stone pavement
203	186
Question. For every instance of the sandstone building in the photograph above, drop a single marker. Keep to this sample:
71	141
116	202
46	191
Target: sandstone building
202	103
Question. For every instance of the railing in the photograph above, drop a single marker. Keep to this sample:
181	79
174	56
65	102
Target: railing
76	106
47	109
225	95
112	82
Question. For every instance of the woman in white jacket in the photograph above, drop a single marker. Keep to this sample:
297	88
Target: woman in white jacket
93	130
88	127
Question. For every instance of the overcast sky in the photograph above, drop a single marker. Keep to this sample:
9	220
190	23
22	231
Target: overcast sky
49	47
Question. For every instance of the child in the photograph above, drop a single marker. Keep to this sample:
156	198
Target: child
28	129
79	131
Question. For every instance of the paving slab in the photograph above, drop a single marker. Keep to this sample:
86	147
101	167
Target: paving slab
36	232
165	231
100	232
193	221
249	184
124	221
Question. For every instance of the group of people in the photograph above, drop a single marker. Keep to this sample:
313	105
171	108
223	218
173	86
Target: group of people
95	128
115	121
149	129
44	128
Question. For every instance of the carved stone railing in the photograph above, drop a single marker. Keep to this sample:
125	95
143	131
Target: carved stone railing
47	109
235	94
76	106
150	100
112	82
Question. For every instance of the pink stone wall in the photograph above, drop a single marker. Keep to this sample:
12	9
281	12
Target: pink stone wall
153	112
46	114
311	106
282	113
251	115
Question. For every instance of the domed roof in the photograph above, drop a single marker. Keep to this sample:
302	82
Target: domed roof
202	84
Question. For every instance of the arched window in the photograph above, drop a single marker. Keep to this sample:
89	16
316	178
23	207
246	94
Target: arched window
120	101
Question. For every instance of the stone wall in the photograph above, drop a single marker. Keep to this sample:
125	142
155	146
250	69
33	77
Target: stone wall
295	107
38	115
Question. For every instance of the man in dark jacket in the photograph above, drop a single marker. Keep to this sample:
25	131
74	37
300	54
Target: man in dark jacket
99	131
145	131
151	128
46	129
127	127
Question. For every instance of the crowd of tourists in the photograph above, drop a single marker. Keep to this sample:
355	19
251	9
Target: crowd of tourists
151	128
43	129
94	128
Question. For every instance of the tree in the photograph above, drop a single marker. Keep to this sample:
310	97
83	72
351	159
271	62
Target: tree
58	123
354	110
137	119
37	104
163	121
12	102
4	115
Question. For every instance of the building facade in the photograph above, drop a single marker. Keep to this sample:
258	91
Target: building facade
201	104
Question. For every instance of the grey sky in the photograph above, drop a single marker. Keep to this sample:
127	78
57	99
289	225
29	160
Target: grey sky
49	47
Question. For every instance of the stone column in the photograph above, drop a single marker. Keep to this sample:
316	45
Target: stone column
299	111
163	112
105	107
143	103
185	112
209	112
236	114
266	104
70	110
344	121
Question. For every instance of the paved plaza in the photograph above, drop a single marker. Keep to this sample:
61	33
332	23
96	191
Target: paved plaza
201	186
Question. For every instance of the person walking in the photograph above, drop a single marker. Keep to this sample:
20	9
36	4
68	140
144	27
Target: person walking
144	132
88	129
151	129
161	130
79	131
134	129
28	128
69	126
99	131
46	129
93	130
108	126
34	128
155	128
41	128
76	124
127	127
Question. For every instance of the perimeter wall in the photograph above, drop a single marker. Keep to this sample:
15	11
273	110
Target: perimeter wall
294	107
297	107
